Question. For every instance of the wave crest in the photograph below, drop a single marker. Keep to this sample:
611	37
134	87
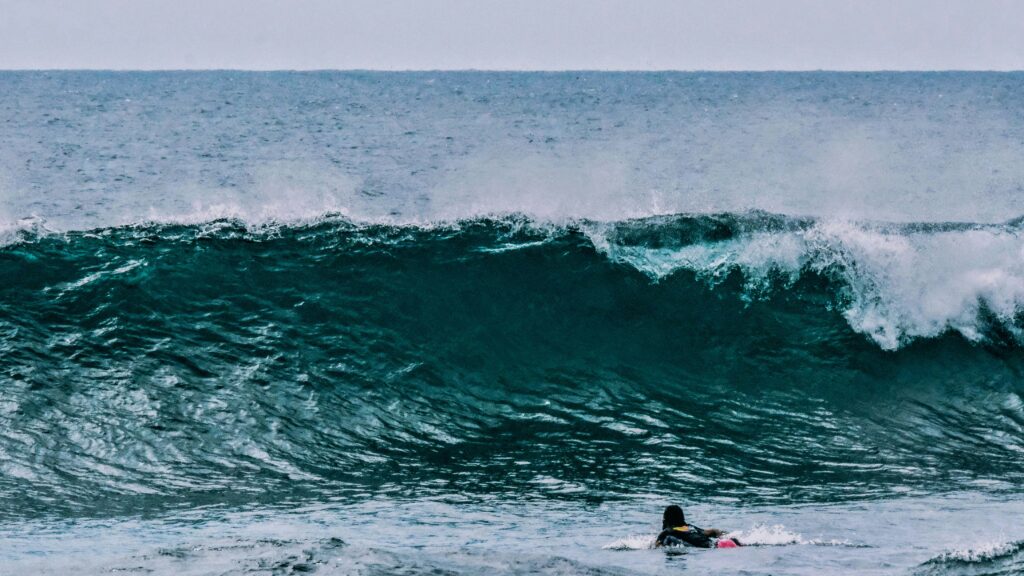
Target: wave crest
898	282
894	283
997	558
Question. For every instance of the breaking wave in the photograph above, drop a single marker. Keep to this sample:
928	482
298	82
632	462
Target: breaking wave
792	359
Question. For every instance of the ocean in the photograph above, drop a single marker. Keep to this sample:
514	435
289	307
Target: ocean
493	323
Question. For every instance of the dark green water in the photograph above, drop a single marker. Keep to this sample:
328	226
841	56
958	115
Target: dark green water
166	367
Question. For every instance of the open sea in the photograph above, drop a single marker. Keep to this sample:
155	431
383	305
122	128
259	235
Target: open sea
467	323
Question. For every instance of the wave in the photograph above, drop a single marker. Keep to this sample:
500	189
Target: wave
990	559
790	359
892	282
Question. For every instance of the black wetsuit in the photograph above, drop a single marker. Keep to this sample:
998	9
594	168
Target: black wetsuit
684	536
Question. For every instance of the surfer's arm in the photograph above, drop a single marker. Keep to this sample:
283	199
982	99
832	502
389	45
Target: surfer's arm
714	532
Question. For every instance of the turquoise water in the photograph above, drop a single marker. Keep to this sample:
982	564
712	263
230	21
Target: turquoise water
365	323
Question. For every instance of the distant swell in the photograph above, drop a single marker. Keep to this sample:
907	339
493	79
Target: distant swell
790	359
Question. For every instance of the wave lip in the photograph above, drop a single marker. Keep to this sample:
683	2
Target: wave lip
899	282
895	283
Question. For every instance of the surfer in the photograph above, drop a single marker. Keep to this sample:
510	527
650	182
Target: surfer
676	532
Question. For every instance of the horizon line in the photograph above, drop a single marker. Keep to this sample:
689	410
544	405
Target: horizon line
547	70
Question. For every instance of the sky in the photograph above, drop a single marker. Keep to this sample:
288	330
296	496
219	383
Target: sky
513	34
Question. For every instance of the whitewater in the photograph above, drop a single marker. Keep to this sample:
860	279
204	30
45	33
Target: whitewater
457	323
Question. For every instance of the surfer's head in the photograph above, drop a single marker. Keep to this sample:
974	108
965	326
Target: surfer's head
673	517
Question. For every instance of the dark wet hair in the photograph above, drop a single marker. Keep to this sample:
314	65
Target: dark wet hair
673	517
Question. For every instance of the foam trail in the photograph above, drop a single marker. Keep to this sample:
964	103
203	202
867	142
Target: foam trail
778	535
759	535
634	542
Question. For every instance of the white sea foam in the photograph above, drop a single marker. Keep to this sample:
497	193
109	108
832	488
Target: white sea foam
901	284
632	542
765	535
13	231
906	286
778	535
981	552
758	535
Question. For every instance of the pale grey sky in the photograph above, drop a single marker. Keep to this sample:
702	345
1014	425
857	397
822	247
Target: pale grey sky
514	34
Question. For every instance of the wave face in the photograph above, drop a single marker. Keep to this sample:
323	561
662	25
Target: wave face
789	359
